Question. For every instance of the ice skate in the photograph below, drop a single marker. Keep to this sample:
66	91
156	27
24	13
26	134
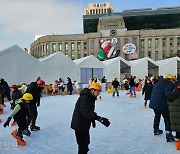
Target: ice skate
13	123
157	132
14	133
1	109
169	137
35	128
26	132
145	105
21	142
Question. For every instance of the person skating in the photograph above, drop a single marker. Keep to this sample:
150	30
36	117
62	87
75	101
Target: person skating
5	91
147	89
115	85
35	88
84	116
23	87
174	112
16	95
158	103
20	115
132	87
69	86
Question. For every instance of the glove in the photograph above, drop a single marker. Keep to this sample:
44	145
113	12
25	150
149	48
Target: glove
103	120
7	121
93	124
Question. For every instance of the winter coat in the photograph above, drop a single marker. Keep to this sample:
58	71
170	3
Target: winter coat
5	89
160	91
174	109
35	91
84	113
131	82
16	94
69	85
147	89
115	84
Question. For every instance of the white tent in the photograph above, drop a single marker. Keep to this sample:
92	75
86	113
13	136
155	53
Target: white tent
144	67
88	67
17	66
116	67
57	66
169	66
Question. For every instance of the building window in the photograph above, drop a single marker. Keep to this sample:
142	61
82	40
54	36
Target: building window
60	46
105	11
142	54
149	54
149	43
53	46
156	55
163	54
178	53
72	46
90	11
156	43
79	55
164	42
171	53
79	46
178	41
85	55
66	46
171	41
142	43
85	45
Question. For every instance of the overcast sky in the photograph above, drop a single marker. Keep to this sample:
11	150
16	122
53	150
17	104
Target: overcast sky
21	20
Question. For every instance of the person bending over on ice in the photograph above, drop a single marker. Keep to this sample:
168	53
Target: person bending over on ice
35	89
20	114
84	115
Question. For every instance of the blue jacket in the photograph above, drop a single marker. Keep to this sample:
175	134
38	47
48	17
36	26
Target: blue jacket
160	91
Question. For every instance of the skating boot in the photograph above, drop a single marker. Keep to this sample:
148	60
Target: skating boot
35	128
157	132
133	96
169	136
26	132
14	133
13	123
21	142
177	144
145	105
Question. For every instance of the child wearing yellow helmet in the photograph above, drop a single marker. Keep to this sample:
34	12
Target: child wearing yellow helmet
20	114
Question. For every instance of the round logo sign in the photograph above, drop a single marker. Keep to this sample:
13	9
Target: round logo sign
129	48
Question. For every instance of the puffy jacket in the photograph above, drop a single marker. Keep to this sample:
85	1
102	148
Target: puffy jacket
159	94
174	109
84	111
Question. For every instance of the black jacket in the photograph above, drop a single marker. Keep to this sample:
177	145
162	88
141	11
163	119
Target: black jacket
16	94
115	84
35	91
84	111
147	89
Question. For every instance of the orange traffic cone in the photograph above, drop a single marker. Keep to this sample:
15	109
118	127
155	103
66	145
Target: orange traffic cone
14	133
0	120
177	144
21	142
1	110
13	123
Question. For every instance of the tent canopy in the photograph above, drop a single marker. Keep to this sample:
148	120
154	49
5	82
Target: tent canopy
17	66
57	66
144	67
88	67
169	66
116	67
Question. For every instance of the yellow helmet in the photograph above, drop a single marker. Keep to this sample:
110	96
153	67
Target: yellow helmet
95	86
22	83
27	97
170	76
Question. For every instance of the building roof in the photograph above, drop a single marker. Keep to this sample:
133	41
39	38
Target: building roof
161	18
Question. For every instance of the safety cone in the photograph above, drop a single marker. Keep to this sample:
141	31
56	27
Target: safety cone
0	120
1	110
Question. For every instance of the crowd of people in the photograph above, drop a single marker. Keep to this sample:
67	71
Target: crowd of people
163	95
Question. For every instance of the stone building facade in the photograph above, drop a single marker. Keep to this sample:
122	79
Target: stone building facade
151	40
